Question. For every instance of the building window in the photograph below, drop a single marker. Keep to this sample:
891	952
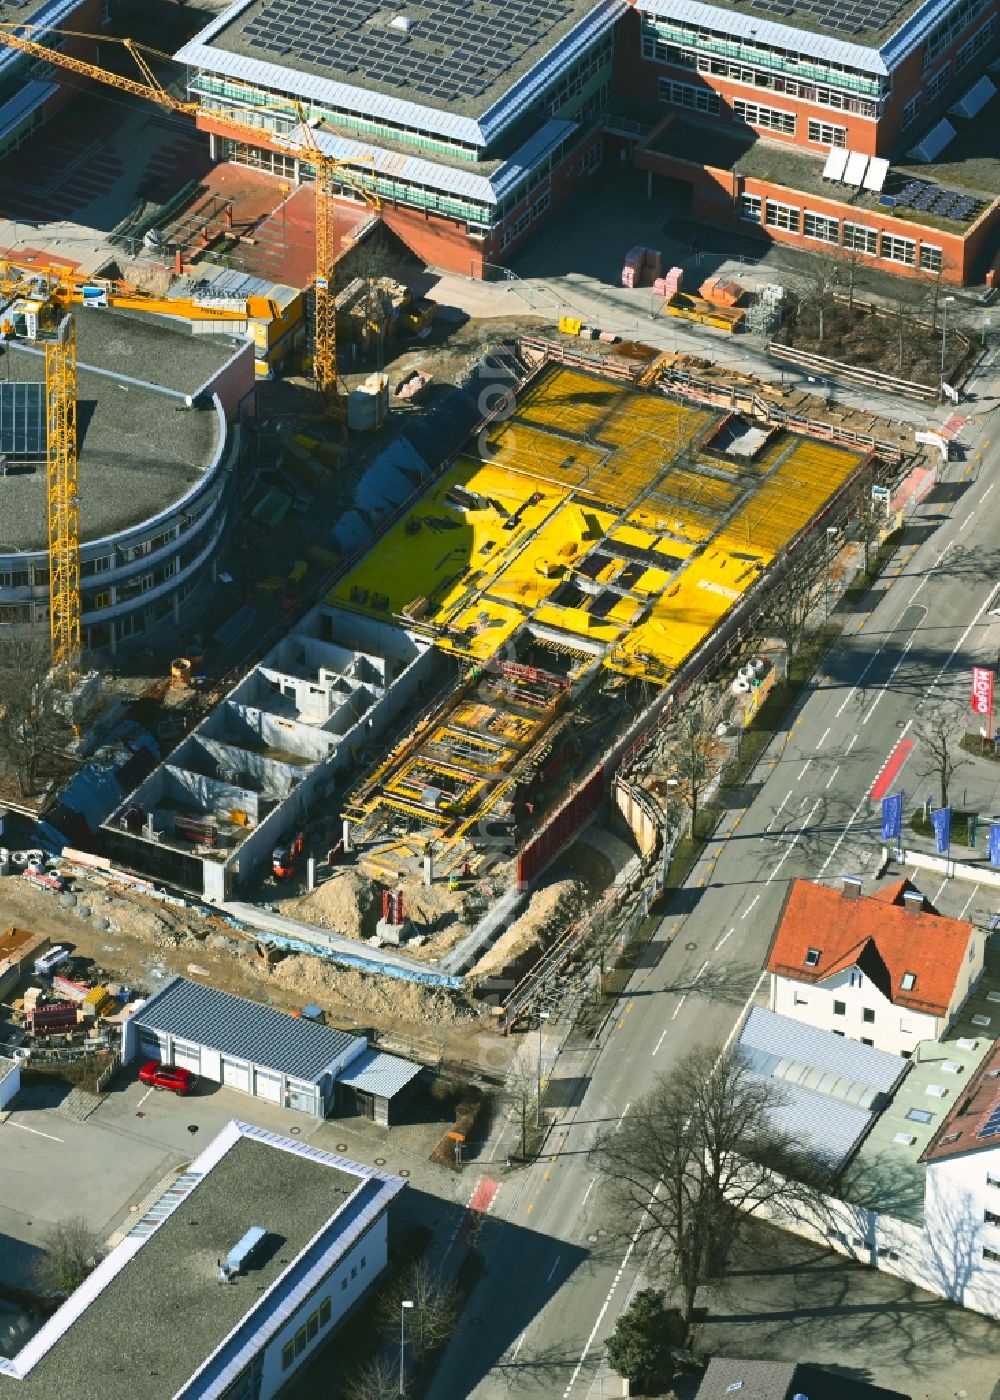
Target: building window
354	1272
991	1217
867	1040
868	1015
523	221
312	1325
824	230
840	1033
936	85
860	239
912	110
287	1355
920	1115
800	1000
889	1253
325	1310
812	957
992	1180
931	261
695	99
992	1256
839	1008
343	1283
767	117
855	979
784	216
300	1341
750	208
909	979
975	45
825	134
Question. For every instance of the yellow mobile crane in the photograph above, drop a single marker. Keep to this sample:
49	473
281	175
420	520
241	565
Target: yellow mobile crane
325	329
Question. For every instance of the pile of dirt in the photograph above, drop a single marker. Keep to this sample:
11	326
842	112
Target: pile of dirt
390	998
550	910
345	904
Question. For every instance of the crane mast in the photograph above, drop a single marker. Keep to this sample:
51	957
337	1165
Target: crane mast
63	503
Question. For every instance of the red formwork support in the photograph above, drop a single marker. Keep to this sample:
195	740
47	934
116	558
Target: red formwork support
563	826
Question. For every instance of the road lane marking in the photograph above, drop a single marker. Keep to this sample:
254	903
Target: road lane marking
854	740
794	841
892	767
833	775
803	770
777	814
555	1265
36	1131
961	641
621	1120
520	1344
850	823
892	675
968	902
143	1099
587	1192
941	890
727	934
678	1006
658	1044
750	907
701	969
824	738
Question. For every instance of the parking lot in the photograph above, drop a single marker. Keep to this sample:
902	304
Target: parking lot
106	1166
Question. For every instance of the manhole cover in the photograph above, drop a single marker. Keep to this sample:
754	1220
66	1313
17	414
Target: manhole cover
341	1146
592	1239
691	947
602	1233
403	1172
295	1131
380	1161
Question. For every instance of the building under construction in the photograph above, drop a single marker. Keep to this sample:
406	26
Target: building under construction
553	581
157	429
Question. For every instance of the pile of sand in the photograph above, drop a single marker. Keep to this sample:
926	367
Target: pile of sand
387	997
345	904
550	910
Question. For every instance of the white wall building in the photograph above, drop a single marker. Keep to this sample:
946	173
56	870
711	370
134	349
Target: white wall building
884	969
156	1319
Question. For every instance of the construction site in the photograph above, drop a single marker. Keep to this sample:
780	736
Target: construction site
400	768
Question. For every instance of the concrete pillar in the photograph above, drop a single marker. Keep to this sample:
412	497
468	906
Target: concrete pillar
297	172
428	869
177	601
649	184
347	836
214	146
311	873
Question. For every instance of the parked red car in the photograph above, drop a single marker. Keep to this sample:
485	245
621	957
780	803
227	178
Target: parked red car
173	1077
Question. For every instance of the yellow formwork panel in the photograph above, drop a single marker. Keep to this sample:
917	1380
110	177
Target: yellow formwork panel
481	628
672	424
656	516
578	622
538	571
520	447
441	553
708	493
785	503
570	400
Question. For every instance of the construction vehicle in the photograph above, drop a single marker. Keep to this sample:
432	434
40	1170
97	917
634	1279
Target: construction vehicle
307	146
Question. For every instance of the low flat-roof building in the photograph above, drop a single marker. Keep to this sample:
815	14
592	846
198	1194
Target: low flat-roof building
157	1318
271	1054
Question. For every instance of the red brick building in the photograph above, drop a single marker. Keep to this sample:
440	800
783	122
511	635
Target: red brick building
31	92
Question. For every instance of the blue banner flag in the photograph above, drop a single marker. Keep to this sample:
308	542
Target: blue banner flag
994	843
941	822
892	816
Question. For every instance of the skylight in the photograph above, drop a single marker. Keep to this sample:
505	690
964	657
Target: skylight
908	981
812	957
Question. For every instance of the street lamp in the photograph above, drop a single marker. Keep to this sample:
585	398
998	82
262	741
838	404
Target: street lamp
944	333
542	1016
831	531
404	1304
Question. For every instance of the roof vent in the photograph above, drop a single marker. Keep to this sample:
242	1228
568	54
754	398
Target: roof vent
401	23
851	887
240	1254
913	900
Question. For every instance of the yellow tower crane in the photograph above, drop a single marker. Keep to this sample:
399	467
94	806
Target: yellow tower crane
63	503
325	327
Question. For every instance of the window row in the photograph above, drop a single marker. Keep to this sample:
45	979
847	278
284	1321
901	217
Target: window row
858	238
695	99
937	83
825	134
734	72
980	40
767	117
525	220
949	29
306	1333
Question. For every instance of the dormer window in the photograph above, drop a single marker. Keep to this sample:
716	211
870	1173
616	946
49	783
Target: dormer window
908	981
812	957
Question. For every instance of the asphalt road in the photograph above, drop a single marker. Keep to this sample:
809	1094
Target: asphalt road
555	1280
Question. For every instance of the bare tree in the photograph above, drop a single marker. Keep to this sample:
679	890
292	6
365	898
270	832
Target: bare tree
856	260
689	755
378	1379
940	732
794	596
32	724
817	300
696	1159
72	1251
437	1305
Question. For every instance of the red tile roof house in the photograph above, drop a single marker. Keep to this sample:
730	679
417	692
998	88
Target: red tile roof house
886	969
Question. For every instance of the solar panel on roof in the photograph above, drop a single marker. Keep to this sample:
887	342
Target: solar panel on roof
991	1128
22	420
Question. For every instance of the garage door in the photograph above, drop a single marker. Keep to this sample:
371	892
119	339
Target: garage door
267	1085
187	1056
236	1075
149	1045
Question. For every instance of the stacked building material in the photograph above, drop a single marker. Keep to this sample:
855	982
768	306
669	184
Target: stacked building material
721	292
672	282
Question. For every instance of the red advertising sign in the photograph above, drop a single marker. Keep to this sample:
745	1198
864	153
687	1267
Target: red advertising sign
982	690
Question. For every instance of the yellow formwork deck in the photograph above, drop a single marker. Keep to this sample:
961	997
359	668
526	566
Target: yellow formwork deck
600	519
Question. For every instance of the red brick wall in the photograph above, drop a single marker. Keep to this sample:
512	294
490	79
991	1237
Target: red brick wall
87	19
443	243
